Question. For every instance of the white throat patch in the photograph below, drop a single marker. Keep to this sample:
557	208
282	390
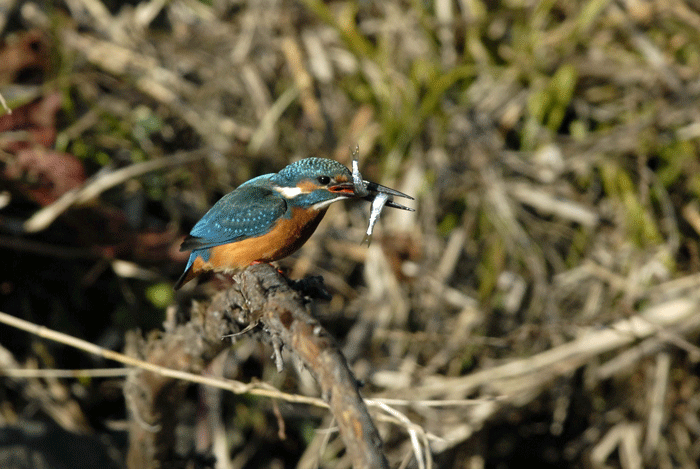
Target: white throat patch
289	192
326	203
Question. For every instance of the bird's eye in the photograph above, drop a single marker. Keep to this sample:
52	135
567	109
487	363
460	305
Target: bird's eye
323	180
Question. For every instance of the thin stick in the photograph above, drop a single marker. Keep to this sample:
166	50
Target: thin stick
235	387
54	373
4	104
44	217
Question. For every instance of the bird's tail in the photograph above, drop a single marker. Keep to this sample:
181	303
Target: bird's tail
188	274
184	278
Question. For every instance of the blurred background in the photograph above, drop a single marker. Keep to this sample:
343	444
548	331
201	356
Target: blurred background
551	146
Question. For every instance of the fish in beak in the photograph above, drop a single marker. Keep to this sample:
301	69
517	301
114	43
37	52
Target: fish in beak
380	196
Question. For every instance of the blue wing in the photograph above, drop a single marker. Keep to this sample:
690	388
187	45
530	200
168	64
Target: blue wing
247	212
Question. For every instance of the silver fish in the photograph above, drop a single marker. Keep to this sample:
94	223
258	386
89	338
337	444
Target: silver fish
380	196
368	190
359	183
377	205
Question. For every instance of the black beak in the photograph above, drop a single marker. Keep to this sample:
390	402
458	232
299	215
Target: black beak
373	188
369	190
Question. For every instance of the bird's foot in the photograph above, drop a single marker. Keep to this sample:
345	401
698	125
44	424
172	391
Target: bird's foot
310	287
270	263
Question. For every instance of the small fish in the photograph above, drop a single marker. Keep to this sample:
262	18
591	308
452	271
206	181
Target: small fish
377	206
358	182
380	196
368	190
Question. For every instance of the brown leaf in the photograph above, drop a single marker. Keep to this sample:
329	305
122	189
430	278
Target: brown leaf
45	174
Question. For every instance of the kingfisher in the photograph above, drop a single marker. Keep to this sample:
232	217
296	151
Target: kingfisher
271	216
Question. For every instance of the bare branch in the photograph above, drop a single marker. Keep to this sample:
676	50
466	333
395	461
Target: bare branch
261	295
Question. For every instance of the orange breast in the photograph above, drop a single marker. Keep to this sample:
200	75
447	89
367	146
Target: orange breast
283	239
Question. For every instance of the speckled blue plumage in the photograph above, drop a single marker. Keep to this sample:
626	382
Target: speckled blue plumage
310	168
248	211
254	207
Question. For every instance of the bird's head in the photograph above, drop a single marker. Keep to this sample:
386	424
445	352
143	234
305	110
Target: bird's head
314	183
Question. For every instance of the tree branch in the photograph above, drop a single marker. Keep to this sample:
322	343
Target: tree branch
260	295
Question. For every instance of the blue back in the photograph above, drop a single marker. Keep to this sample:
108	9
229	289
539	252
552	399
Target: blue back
252	209
247	212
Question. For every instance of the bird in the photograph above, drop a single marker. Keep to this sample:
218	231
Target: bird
270	217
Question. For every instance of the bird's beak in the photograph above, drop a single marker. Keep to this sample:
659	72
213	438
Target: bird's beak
374	187
347	189
344	188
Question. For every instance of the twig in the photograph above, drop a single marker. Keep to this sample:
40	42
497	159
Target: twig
263	295
303	80
282	311
4	104
624	436
271	118
44	217
658	397
413	431
260	295
65	412
54	373
233	386
551	205
571	355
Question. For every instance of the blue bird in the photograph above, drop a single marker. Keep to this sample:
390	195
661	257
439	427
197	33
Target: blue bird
269	217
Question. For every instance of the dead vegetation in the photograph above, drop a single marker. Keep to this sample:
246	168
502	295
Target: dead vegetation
539	307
